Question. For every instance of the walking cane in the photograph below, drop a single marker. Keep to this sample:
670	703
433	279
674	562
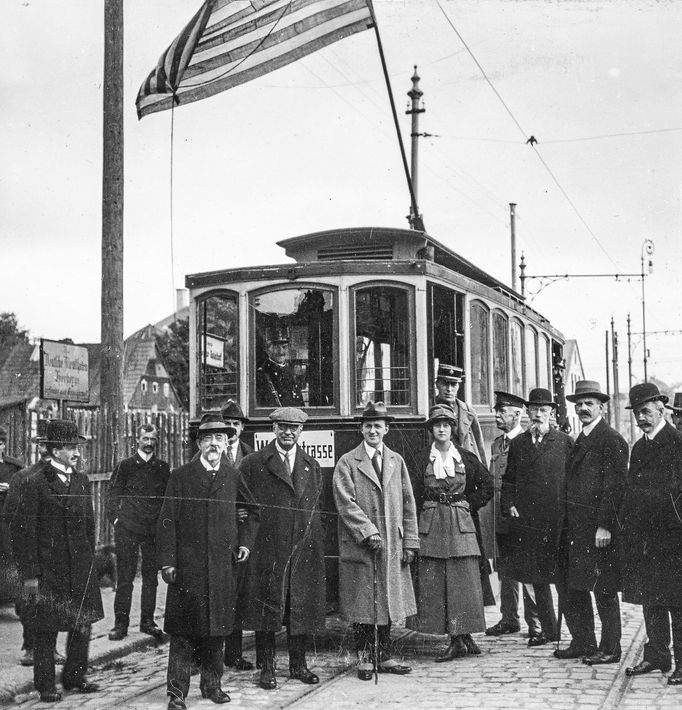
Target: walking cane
376	626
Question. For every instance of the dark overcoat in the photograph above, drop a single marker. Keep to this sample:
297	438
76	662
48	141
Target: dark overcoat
53	535
9	467
367	507
493	523
287	563
534	484
595	482
198	534
651	550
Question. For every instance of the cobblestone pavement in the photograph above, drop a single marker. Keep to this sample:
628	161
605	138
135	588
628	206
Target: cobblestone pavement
508	674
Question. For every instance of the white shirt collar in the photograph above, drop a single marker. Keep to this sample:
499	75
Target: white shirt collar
587	430
518	429
143	456
658	428
370	450
66	470
208	466
291	454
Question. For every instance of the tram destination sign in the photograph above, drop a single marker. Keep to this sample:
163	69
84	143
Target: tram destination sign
64	371
318	444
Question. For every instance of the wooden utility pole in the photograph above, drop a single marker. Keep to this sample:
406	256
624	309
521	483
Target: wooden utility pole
111	371
616	389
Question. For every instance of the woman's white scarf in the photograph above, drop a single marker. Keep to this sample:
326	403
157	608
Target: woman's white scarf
444	468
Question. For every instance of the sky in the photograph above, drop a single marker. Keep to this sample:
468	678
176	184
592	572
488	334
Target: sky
312	146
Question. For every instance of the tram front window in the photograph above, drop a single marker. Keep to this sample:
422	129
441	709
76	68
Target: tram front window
294	341
382	352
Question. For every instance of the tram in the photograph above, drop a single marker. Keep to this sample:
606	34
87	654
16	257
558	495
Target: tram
362	314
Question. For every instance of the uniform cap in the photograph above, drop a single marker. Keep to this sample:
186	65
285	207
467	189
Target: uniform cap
450	373
507	399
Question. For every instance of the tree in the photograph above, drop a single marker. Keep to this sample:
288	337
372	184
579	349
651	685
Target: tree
173	344
9	326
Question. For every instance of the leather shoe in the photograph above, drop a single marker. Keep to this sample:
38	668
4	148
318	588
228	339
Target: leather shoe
540	640
471	645
305	675
50	696
27	658
675	677
217	695
239	664
150	628
456	649
176	704
267	679
572	651
645	667
600	657
501	628
118	633
394	667
83	686
365	671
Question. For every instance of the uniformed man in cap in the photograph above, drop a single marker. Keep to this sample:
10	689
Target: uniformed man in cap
651	554
508	411
378	540
285	578
276	385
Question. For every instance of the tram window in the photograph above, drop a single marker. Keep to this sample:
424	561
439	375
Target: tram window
531	359
480	387
294	347
543	362
382	346
516	370
500	351
217	322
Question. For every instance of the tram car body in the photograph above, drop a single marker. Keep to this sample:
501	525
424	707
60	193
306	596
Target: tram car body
362	314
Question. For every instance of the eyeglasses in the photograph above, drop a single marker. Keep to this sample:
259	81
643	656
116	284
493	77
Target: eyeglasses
288	427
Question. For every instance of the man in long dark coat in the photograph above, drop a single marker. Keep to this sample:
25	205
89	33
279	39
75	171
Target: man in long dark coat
285	578
595	482
651	554
532	497
199	542
53	535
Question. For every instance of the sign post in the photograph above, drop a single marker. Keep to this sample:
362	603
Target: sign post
64	373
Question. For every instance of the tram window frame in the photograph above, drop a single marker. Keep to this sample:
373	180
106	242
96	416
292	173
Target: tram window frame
543	346
436	295
201	334
409	290
480	395
252	359
503	383
532	331
521	391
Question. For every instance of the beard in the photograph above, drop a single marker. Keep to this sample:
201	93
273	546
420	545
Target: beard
539	428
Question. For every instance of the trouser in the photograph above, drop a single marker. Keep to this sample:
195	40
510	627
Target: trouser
657	620
576	606
76	663
210	651
365	642
128	546
545	607
233	647
509	604
27	635
265	649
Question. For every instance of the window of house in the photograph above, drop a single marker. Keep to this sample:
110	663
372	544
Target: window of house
531	358
143	385
295	347
382	356
166	390
218	328
516	369
155	387
500	351
480	354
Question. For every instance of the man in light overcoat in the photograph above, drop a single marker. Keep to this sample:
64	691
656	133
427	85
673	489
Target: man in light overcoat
378	539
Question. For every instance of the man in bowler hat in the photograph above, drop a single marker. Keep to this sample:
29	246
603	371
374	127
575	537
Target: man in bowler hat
53	535
676	408
651	518
595	482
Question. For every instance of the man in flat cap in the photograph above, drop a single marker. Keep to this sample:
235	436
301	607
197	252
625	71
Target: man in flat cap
378	540
508	411
276	385
651	516
199	540
595	483
533	498
53	536
285	578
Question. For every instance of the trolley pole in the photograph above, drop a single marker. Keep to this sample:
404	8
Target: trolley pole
632	419
616	392
415	95
512	222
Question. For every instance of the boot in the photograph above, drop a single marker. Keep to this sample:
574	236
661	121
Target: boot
120	630
298	668
267	680
456	649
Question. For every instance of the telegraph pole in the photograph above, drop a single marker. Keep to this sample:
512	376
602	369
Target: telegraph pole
616	392
111	374
608	375
632	419
415	94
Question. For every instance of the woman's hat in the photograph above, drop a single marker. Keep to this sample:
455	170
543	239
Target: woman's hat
63	432
440	413
375	410
587	388
540	397
645	392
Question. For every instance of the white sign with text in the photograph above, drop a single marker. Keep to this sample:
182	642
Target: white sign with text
318	444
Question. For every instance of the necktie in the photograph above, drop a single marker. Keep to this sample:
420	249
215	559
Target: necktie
505	443
376	462
287	465
230	457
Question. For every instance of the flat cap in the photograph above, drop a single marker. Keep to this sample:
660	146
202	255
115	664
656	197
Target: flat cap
289	415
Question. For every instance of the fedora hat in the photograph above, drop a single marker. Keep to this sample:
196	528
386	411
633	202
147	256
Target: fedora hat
440	413
506	399
587	388
540	397
232	410
676	406
449	373
375	410
645	392
64	432
212	423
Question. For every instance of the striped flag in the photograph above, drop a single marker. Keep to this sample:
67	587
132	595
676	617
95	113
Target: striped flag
229	42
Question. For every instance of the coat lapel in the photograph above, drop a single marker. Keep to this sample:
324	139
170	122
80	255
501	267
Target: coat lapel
275	466
389	465
301	472
365	465
220	478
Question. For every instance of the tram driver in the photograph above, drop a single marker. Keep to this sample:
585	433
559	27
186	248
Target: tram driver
276	384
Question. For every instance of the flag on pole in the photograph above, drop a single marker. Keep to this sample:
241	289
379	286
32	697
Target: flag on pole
229	42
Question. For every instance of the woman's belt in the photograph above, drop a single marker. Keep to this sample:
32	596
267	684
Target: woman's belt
445	498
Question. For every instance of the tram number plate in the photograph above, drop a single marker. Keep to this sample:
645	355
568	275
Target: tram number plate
318	444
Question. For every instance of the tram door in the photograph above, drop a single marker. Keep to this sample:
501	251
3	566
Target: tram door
445	311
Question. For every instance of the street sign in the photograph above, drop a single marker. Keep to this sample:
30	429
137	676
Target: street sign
64	371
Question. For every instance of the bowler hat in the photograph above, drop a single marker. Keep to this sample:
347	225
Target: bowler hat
212	423
540	397
506	399
375	410
585	389
289	415
645	392
277	334
440	413
232	410
677	403
41	431
449	373
64	432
